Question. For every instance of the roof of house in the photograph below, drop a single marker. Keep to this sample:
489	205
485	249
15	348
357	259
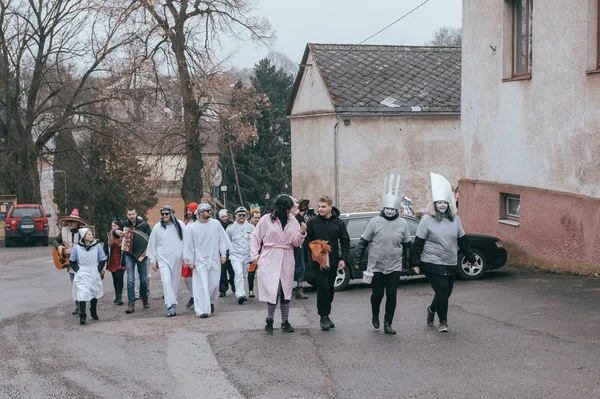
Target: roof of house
386	79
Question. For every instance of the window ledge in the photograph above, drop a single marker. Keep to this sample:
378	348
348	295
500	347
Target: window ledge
592	71
509	222
517	78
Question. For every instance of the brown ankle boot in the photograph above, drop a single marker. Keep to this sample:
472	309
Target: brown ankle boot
130	308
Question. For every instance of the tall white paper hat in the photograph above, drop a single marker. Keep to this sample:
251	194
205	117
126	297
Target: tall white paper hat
441	189
392	197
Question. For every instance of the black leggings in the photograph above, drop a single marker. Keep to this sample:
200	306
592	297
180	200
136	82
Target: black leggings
389	283
442	285
118	282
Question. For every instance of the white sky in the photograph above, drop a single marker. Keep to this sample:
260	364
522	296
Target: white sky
297	22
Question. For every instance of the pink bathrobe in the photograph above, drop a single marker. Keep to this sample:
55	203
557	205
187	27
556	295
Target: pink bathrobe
276	261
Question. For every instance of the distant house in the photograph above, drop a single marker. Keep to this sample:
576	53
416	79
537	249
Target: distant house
531	126
360	112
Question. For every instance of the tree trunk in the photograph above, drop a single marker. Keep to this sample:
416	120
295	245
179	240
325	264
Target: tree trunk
191	188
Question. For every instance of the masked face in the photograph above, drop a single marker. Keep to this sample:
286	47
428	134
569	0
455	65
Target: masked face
441	206
390	212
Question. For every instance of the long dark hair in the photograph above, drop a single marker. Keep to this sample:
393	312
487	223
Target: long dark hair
282	205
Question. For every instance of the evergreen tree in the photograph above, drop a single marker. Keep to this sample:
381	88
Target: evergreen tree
68	172
264	166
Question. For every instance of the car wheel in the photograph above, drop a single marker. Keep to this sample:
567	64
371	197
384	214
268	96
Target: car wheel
45	241
472	272
342	279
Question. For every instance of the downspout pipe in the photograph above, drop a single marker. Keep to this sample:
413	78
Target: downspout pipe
336	179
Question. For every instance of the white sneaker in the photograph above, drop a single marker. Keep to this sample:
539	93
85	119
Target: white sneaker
443	327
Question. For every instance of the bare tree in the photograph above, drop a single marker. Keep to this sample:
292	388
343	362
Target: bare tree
447	36
282	61
184	43
50	51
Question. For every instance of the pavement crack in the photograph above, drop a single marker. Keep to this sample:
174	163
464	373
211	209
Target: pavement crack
519	326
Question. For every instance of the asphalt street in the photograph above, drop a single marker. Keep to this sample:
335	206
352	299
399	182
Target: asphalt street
515	334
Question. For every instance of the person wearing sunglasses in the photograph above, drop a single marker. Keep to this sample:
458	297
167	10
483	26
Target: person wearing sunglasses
239	234
205	250
165	253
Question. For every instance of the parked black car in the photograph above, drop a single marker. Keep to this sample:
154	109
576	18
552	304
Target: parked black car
489	252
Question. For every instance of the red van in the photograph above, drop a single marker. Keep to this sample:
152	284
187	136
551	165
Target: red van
27	222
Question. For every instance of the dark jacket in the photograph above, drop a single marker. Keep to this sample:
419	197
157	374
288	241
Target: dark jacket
140	225
334	231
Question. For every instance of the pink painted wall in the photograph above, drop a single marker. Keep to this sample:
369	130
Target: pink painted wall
557	231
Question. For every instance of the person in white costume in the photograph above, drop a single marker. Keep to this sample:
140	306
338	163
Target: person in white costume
87	260
165	253
239	234
205	250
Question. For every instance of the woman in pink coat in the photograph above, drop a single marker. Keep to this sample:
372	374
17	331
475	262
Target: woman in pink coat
272	245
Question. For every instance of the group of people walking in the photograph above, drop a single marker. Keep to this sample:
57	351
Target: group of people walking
270	248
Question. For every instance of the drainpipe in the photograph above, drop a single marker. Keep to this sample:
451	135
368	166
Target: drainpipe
336	196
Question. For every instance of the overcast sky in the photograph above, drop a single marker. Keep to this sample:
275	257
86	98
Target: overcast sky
297	22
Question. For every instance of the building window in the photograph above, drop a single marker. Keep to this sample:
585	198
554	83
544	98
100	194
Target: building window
512	206
522	17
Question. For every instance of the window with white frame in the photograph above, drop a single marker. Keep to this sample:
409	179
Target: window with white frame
512	206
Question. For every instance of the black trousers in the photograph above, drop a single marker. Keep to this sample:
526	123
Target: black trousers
118	282
251	276
442	286
388	283
325	291
224	282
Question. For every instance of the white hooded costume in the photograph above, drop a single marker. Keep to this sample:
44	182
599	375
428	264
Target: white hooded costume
205	243
87	283
165	248
239	235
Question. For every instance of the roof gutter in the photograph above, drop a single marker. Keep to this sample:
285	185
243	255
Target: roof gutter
371	114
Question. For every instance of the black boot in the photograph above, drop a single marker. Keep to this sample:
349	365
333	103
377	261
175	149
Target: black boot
387	327
269	326
93	308
119	300
375	321
76	311
287	327
82	315
325	323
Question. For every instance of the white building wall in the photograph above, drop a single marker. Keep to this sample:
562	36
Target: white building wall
543	132
372	148
312	95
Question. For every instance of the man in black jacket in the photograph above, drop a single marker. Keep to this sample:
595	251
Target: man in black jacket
328	226
136	222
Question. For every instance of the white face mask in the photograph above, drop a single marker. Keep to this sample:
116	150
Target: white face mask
390	212
441	206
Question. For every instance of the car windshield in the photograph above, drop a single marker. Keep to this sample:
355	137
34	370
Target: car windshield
24	212
356	227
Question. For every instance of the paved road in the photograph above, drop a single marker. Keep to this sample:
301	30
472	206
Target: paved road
516	334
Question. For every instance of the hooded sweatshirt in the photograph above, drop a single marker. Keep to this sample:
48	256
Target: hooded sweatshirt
333	230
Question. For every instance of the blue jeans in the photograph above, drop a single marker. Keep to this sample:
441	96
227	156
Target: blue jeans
300	265
130	263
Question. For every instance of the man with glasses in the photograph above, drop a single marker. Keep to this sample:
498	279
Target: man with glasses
165	253
205	250
239	234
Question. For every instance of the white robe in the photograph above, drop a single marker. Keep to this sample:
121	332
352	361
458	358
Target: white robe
204	245
239	254
87	283
165	248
